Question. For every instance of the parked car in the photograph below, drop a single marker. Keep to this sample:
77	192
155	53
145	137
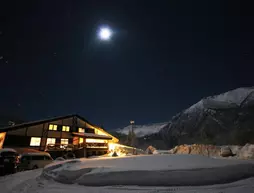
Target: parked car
9	160
30	161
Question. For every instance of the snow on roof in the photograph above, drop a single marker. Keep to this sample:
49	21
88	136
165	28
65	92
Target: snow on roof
37	153
7	150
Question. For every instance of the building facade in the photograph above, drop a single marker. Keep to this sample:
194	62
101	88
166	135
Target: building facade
59	134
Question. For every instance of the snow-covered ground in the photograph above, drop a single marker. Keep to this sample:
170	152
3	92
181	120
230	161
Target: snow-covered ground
155	173
143	130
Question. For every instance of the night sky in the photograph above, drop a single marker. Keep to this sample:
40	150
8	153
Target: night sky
163	57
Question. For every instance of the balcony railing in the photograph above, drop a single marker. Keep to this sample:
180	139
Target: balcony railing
63	147
71	147
96	145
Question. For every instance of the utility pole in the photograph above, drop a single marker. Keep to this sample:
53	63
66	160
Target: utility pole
132	136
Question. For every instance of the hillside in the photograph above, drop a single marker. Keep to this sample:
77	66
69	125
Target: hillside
227	118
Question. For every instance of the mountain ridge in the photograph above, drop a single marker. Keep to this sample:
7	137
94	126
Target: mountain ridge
226	118
143	130
220	119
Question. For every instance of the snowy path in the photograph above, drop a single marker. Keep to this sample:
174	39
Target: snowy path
34	182
19	182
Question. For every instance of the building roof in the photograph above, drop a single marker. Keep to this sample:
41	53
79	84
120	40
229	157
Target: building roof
32	123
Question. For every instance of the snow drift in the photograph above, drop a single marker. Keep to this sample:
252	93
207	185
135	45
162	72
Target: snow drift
156	170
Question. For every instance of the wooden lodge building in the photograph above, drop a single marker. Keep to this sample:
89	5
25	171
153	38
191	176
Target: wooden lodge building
58	135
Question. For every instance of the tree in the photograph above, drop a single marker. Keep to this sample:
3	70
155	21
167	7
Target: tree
131	139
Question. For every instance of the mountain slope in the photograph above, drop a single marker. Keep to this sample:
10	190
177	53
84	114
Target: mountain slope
227	118
145	135
143	130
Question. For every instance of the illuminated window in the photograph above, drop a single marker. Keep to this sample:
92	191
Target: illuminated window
96	141
51	141
64	141
35	141
52	127
66	128
81	140
81	130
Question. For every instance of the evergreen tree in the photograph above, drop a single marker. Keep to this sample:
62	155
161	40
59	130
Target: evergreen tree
129	138
133	139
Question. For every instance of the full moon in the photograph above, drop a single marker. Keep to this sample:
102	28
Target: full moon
105	33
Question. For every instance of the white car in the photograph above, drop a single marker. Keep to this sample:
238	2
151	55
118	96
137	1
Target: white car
30	161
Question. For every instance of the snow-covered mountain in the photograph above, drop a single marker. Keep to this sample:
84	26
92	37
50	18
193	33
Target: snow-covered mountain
227	118
143	130
232	99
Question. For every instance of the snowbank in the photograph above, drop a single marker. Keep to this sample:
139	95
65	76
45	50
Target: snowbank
246	152
153	150
156	170
150	150
239	152
14	183
197	149
158	151
30	182
181	167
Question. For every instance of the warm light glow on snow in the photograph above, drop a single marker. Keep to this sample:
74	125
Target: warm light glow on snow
115	147
111	146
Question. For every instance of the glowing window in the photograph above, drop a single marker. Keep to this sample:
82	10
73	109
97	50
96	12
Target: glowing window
35	141
81	140
66	128
64	141
51	141
81	130
96	141
52	127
